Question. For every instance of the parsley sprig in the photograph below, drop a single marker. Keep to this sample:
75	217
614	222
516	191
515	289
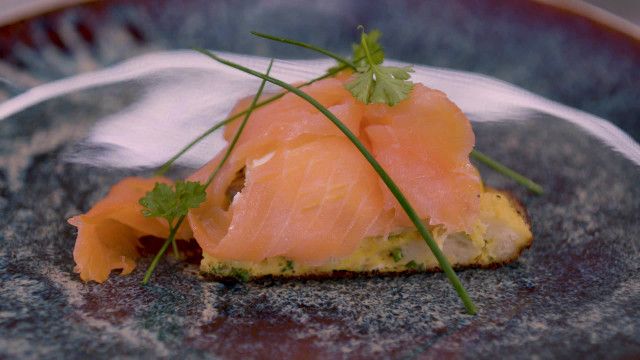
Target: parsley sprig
174	202
375	83
373	48
171	202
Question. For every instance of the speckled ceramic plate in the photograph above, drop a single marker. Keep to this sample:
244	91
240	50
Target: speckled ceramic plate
574	294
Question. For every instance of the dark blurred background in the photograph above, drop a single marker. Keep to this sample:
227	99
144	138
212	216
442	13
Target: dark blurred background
629	9
10	9
556	54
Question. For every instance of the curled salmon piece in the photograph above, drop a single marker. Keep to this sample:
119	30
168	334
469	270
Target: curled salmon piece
108	234
308	202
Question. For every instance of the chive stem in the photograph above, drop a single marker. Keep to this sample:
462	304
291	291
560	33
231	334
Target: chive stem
173	229
234	141
483	158
501	169
424	232
163	249
345	64
328	53
174	245
167	165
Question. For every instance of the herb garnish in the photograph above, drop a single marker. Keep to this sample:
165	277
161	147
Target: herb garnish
170	204
393	188
344	64
501	169
396	254
375	83
377	53
301	44
288	266
412	265
165	202
165	167
375	50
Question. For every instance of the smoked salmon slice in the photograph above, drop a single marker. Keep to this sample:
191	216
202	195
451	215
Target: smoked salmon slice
306	194
108	234
424	145
291	119
307	202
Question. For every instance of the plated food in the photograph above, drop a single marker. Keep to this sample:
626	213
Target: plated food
296	198
292	196
582	263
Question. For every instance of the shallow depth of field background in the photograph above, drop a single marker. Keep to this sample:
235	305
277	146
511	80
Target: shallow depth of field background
12	9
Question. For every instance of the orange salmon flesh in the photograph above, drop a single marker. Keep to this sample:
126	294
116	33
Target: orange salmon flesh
307	193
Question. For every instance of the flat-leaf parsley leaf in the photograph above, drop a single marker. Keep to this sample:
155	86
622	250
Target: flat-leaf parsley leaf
375	49
165	202
375	83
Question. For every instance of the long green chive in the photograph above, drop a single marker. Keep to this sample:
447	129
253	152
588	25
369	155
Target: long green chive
517	177
165	167
173	230
174	246
163	249
234	141
345	65
426	235
328	53
477	155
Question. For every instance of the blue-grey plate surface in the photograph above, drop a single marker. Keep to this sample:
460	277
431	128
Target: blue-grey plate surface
574	294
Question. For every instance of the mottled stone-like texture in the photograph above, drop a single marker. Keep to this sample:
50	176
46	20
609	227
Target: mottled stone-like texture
574	294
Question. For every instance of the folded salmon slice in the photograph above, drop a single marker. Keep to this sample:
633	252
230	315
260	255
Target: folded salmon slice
291	120
424	145
308	202
290	116
307	193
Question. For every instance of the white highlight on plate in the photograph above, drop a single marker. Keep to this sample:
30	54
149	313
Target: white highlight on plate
186	93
